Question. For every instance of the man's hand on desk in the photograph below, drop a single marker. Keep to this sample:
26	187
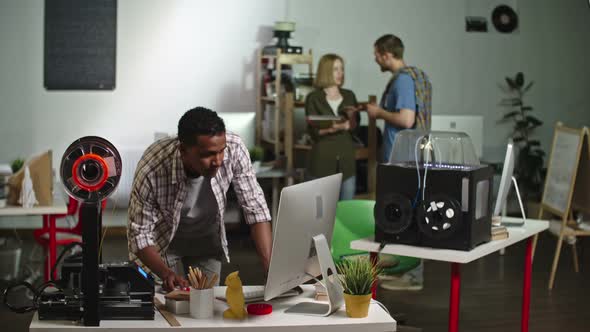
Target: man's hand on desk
151	258
171	280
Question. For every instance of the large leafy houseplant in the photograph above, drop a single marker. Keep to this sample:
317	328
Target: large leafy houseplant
530	160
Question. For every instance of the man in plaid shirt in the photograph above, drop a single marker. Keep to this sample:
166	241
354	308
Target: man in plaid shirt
178	199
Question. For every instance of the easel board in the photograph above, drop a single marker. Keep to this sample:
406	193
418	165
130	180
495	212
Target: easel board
562	169
581	199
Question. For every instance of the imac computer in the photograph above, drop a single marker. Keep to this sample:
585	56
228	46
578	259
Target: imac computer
504	188
301	236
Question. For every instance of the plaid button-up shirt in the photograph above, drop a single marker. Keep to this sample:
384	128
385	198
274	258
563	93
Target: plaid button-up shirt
160	188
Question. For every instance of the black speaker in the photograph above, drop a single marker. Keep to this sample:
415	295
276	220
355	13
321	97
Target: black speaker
450	209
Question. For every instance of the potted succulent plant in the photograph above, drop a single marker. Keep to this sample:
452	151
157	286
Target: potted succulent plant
357	276
17	164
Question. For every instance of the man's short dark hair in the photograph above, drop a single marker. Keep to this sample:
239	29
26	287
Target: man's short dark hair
390	44
199	121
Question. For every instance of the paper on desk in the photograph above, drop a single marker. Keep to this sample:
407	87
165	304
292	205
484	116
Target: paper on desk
27	194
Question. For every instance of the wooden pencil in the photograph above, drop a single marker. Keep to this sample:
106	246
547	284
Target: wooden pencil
203	283
194	278
213	281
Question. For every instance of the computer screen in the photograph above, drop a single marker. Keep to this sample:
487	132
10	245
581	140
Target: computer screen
506	179
305	210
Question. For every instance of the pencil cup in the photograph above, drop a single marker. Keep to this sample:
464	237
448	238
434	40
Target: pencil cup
201	303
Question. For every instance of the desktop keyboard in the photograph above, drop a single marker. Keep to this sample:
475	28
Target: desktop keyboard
256	294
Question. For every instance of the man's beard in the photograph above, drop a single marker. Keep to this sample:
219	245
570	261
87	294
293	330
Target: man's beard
211	173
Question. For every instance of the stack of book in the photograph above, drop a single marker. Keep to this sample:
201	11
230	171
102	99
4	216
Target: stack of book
499	233
320	292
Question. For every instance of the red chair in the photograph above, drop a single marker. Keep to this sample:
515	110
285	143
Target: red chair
50	237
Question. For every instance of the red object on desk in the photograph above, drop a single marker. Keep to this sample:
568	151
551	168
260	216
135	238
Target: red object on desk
259	309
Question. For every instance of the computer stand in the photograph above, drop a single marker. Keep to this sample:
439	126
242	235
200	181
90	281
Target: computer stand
510	224
330	282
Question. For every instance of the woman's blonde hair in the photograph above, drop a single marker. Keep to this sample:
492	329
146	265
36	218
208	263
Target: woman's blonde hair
325	74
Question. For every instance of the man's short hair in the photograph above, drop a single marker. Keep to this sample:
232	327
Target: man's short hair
196	122
390	44
325	74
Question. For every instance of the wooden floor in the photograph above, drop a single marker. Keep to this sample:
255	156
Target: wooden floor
491	290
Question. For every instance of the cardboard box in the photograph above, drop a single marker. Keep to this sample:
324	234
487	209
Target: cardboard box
42	176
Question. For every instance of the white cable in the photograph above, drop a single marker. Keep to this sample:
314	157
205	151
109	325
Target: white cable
381	305
316	280
428	145
417	165
519	200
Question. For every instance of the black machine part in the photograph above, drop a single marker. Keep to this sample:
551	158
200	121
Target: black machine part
125	293
90	172
90	169
393	214
439	217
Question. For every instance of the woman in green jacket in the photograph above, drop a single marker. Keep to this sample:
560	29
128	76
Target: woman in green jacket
333	149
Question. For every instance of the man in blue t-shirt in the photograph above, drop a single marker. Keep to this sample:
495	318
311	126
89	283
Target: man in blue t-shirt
398	104
398	109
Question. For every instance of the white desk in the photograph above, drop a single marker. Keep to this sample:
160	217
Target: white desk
517	234
58	207
48	212
456	257
378	320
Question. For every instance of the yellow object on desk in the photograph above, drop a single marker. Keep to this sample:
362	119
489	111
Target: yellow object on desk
235	297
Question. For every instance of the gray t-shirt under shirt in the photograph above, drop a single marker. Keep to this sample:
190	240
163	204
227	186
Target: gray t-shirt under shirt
198	231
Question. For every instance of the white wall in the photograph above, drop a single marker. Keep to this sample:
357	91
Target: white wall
173	55
551	48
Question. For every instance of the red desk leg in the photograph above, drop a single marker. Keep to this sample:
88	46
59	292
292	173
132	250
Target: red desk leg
374	259
526	288
455	294
52	245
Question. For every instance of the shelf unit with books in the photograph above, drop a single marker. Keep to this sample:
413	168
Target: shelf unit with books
276	102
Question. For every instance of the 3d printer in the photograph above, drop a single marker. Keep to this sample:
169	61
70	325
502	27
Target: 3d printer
89	290
433	193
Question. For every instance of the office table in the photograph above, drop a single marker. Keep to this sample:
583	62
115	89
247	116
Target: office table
58	207
378	320
457	257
